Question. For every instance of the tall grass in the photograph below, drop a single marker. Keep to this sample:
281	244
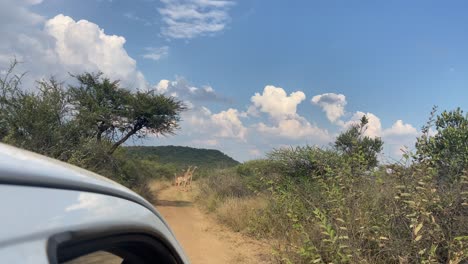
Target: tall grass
318	209
228	195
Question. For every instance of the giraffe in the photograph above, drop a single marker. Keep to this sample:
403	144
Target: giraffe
189	177
181	179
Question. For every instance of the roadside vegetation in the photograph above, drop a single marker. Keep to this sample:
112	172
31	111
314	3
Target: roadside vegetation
338	205
86	123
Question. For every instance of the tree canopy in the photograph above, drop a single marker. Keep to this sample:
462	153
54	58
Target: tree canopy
53	119
361	150
117	114
446	147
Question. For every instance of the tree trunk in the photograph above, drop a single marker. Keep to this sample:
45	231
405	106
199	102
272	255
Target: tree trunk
122	140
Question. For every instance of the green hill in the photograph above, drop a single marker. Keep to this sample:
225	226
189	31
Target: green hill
182	156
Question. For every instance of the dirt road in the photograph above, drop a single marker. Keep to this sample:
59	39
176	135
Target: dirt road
204	240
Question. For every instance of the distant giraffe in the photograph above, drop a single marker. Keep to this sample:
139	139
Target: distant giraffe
189	177
177	179
181	179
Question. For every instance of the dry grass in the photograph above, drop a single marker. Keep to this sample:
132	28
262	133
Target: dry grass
238	213
345	217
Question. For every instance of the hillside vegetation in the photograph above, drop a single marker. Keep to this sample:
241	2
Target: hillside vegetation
336	205
182	156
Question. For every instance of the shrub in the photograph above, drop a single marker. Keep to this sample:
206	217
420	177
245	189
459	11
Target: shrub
224	183
322	209
303	161
447	150
374	218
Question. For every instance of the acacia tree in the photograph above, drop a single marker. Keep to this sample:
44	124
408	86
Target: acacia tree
108	111
360	149
33	120
9	92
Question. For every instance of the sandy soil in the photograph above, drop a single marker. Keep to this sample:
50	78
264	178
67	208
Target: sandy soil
203	239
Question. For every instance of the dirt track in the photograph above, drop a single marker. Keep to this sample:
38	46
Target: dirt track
204	240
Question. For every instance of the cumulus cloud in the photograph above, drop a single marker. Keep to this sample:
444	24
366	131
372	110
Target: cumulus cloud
162	86
229	125
156	54
295	129
400	129
399	136
332	104
285	122
275	102
187	19
61	45
83	44
182	89
374	127
196	120
200	127
200	122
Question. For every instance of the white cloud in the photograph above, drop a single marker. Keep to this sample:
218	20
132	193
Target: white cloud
398	137
196	120
83	45
199	122
400	129
182	89
277	103
187	19
162	86
285	123
295	129
156	53
332	104
374	127
229	125
61	45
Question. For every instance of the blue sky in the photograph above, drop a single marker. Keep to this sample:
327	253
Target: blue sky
317	66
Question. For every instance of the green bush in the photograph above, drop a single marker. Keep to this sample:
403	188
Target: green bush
447	150
327	206
224	183
376	217
302	161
